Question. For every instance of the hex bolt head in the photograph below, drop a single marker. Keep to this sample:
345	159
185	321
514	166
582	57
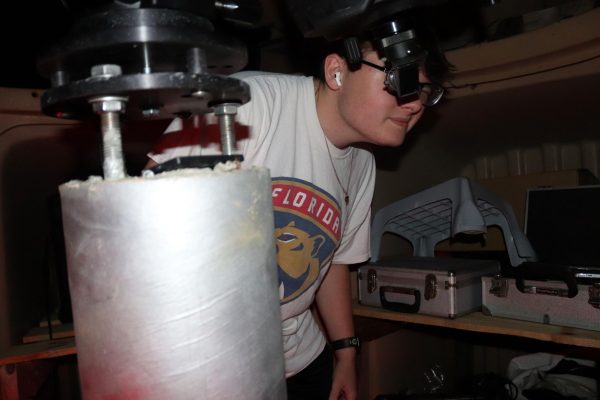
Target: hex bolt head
106	104
106	70
151	112
226	109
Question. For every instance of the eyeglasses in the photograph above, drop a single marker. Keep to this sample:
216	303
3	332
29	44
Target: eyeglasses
429	93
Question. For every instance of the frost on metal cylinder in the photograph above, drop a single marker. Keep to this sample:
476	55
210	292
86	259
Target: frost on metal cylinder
174	286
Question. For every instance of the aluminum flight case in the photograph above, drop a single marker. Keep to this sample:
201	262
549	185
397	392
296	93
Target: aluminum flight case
553	302
445	287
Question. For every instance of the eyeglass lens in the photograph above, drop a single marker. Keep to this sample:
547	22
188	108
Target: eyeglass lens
429	93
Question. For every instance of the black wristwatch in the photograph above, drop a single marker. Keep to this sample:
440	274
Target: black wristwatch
347	342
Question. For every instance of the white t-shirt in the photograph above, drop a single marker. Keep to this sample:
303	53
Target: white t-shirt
313	225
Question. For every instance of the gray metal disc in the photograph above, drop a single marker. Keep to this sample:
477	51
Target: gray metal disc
157	96
141	41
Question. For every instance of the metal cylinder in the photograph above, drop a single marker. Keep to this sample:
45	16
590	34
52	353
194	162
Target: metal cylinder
113	165
173	282
226	112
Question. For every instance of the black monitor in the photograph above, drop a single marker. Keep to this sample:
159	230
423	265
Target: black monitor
563	225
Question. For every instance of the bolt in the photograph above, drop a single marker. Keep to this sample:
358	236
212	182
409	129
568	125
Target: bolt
196	60
226	109
230	6
113	164
106	104
226	113
106	70
109	107
59	78
150	112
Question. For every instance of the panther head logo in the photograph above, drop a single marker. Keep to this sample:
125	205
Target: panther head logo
297	253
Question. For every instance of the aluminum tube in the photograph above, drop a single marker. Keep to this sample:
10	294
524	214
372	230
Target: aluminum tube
174	286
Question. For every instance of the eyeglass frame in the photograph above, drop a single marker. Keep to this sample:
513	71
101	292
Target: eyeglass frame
435	87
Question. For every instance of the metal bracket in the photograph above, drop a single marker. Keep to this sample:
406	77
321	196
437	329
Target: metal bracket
371	281
594	291
430	287
499	287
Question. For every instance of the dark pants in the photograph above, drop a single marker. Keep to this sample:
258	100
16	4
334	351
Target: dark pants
314	381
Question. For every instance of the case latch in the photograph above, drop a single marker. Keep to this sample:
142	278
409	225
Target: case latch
371	281
499	287
430	287
594	299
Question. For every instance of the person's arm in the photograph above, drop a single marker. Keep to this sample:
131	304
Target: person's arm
335	308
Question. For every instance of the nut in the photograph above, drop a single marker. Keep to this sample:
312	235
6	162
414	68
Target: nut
103	104
151	112
226	109
106	70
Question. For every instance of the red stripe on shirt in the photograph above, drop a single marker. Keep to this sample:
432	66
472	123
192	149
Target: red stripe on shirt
195	131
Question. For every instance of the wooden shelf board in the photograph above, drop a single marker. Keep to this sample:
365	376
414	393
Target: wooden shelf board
38	351
478	322
39	334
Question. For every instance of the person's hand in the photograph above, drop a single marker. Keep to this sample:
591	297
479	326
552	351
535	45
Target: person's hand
344	376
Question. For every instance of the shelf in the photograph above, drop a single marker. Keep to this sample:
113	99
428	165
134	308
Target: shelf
38	351
562	50
39	334
37	345
478	322
474	322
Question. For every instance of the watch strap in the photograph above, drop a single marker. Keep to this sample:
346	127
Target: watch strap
352	341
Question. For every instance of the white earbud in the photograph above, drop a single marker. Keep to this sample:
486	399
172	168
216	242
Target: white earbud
337	78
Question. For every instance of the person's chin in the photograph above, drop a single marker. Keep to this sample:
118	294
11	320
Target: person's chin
394	134
393	139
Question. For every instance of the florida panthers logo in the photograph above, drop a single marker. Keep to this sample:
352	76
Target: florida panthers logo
307	231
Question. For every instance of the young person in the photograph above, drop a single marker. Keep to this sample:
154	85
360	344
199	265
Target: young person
312	133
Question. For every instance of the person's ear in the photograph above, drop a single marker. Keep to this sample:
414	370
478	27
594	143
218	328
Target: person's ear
334	69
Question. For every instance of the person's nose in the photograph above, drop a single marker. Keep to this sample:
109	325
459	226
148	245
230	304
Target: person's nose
414	106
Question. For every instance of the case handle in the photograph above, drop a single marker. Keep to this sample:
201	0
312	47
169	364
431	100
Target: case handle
402	307
546	272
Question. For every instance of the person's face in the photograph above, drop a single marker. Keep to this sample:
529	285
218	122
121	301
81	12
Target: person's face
373	114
